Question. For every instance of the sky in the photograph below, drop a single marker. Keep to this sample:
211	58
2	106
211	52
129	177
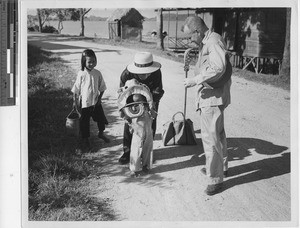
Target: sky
107	12
149	13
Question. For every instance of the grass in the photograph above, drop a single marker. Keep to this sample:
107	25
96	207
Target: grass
60	183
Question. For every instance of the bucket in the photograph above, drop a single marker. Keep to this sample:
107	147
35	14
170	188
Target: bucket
73	122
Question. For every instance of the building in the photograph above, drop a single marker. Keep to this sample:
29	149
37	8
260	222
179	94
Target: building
125	24
254	36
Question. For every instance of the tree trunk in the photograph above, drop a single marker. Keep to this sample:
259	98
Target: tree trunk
285	67
82	26
160	38
60	26
82	22
40	20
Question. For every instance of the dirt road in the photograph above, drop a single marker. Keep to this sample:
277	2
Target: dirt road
259	144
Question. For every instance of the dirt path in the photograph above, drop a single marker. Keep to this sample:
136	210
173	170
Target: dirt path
258	129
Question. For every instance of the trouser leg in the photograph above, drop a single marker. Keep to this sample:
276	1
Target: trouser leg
136	153
225	152
101	126
127	138
148	143
223	141
142	143
148	151
154	120
212	126
153	127
85	122
99	117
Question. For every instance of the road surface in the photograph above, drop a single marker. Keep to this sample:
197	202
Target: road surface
257	125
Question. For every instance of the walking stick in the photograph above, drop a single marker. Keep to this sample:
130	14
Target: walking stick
187	57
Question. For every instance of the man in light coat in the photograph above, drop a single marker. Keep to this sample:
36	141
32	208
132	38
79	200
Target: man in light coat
213	80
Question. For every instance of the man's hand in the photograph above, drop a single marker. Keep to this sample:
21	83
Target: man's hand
189	82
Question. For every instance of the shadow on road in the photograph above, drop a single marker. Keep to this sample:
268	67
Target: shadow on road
172	158
238	149
259	170
54	46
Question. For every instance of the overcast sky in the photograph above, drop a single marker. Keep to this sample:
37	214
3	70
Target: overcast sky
107	12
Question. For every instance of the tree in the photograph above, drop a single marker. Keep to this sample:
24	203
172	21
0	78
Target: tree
285	68
65	14
43	16
82	13
61	16
160	37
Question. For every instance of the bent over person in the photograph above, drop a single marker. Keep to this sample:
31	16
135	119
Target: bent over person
147	72
213	80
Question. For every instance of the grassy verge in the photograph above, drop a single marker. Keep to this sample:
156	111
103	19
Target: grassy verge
60	183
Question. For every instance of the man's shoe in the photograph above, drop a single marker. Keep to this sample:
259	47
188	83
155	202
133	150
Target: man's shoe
124	159
102	136
203	171
213	189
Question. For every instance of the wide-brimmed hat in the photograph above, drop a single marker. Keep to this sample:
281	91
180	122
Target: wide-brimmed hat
143	64
134	87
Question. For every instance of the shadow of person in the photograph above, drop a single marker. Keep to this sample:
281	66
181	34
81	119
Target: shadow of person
195	160
195	153
259	170
178	151
238	148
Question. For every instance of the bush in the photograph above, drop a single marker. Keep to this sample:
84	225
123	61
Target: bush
49	29
45	29
34	28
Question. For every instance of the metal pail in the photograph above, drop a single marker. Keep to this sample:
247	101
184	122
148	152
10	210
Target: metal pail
73	122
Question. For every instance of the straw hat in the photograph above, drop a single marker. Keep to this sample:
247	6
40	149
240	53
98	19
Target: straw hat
143	64
133	87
